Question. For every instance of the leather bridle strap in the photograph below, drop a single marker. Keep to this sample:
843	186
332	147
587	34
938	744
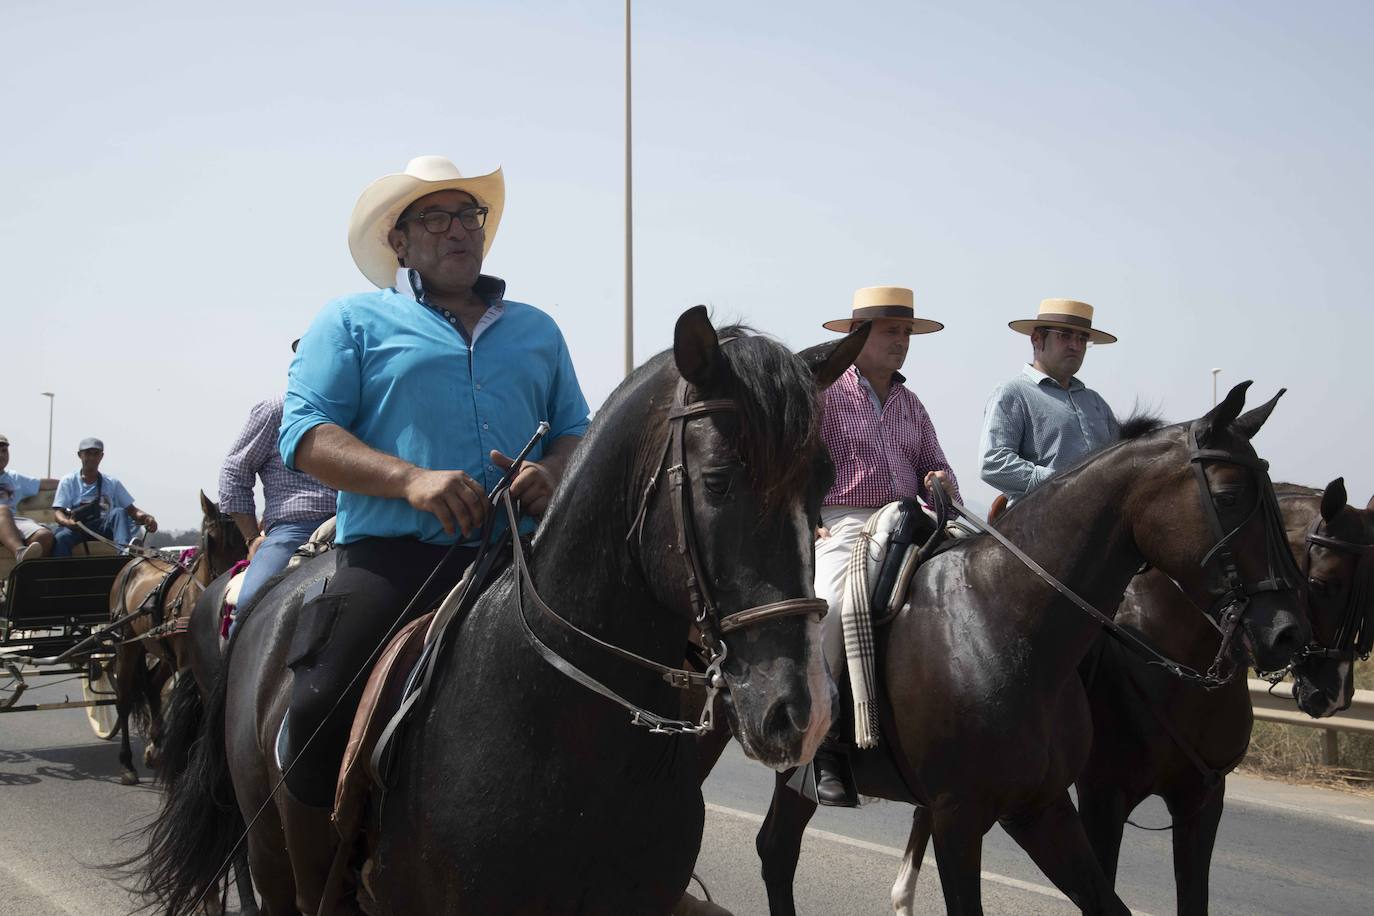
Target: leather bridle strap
1122	635
1361	592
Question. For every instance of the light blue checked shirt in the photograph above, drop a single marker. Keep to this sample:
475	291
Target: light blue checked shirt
1033	428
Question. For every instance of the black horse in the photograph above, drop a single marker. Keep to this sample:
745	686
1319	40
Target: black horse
515	789
1156	735
980	668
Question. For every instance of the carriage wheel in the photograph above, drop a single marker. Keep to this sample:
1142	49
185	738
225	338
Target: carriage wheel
98	685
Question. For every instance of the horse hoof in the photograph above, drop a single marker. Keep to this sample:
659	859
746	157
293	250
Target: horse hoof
151	758
129	778
692	906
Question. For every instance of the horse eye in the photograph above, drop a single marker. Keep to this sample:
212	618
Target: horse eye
1226	500
719	480
1316	584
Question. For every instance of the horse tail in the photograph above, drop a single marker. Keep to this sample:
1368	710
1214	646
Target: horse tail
199	823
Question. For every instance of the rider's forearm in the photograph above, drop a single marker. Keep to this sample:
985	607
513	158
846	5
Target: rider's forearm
247	524
339	459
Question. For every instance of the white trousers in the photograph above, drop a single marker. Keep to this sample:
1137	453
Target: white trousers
845	524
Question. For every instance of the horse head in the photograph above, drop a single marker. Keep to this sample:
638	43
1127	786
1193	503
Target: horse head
221	542
1209	519
1338	563
729	543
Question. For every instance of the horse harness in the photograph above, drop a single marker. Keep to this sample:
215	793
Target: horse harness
1228	610
707	615
1355	632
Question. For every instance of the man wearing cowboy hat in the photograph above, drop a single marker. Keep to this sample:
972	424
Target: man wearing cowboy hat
884	448
1045	419
408	400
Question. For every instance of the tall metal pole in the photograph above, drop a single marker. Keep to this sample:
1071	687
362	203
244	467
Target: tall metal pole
51	398
629	216
1214	386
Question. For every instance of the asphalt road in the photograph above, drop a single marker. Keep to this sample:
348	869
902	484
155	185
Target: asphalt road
1281	850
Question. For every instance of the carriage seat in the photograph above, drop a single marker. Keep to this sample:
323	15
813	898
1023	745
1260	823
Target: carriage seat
39	508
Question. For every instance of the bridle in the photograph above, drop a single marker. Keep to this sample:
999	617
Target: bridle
1229	608
1282	574
1355	632
706	613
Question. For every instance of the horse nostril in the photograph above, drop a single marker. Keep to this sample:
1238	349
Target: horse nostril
1288	640
787	718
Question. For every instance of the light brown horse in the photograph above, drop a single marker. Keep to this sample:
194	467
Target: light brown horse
154	645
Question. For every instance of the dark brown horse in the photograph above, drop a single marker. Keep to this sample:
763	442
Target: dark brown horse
1156	735
981	667
155	646
515	789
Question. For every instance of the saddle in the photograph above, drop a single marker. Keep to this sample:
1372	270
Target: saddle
896	540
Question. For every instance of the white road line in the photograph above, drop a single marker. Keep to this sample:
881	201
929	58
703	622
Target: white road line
1307	812
895	853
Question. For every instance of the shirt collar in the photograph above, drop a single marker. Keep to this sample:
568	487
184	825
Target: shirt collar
408	283
1039	378
897	377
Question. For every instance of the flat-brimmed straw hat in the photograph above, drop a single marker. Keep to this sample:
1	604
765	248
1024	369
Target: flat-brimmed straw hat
381	204
1063	313
874	302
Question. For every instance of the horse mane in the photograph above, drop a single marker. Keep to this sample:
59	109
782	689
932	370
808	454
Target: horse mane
779	412
1140	422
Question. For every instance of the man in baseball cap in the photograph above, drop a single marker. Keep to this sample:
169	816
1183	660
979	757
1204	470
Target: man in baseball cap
97	501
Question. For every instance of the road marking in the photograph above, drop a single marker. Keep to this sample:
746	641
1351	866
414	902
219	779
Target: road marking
1310	812
895	853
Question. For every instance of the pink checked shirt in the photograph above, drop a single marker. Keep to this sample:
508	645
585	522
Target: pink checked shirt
878	457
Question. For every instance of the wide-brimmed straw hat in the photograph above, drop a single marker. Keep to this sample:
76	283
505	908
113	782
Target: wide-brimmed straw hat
381	204
1063	313
873	302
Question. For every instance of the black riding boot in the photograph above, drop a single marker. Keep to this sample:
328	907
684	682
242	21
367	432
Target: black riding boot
834	779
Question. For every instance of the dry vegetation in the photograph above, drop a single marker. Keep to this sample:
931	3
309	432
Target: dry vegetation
1294	753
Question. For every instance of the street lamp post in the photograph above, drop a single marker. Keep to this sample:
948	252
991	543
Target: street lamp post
51	398
1215	372
629	216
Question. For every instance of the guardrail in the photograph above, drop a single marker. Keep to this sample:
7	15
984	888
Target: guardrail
1278	706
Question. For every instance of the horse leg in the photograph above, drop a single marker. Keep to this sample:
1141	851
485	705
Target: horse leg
779	844
904	888
126	683
1103	810
152	757
959	831
1054	838
243	881
1196	817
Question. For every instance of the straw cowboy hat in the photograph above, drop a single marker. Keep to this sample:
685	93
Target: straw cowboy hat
381	204
1063	313
883	302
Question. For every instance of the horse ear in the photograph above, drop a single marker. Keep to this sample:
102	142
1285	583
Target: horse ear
1222	415
1370	507
1333	499
207	507
1249	423
839	356
696	349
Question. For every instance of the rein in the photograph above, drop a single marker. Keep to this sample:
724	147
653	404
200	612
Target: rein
1230	607
706	612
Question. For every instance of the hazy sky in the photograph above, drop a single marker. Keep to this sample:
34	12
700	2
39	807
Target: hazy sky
179	178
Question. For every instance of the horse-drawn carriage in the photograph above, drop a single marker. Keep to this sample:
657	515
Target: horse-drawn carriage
55	623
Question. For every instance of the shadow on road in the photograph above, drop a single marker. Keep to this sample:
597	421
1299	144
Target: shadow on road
74	763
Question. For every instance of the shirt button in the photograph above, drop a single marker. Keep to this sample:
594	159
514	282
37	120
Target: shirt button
479	386
485	426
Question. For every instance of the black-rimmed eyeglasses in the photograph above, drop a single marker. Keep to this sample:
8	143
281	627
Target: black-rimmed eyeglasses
437	221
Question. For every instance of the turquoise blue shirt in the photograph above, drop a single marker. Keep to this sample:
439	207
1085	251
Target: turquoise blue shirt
393	372
1033	428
